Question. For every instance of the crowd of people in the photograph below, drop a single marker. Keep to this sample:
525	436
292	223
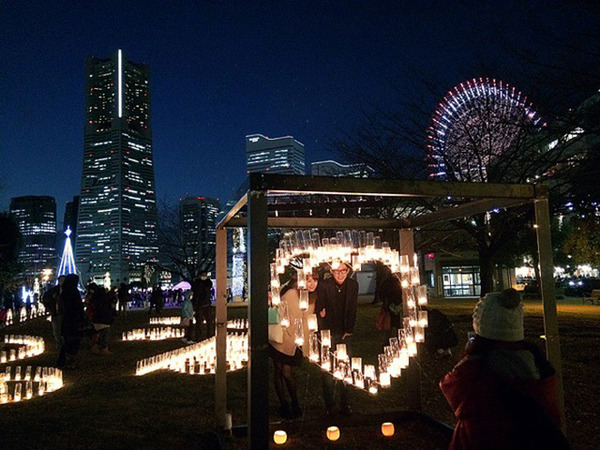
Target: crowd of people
503	390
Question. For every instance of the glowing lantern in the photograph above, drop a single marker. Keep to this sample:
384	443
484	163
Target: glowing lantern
280	437
384	379
387	429
303	304
312	322
333	433
342	354
326	338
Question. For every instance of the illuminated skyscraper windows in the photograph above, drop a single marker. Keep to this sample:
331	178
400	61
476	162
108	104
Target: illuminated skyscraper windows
116	230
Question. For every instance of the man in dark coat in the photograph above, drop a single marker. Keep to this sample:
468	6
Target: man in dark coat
336	309
202	301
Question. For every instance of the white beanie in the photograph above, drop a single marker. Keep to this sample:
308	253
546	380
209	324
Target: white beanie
499	316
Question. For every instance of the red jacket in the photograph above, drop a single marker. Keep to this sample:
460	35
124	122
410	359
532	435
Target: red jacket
479	403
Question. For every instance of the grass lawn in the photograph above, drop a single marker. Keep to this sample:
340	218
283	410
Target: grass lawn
103	405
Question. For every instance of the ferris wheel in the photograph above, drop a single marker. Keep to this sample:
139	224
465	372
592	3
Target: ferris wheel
475	123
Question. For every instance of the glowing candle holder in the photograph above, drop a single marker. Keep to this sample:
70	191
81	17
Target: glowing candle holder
303	302
357	364
326	338
325	358
385	380
404	280
298	332
301	280
387	429
423	321
311	322
275	296
341	352
421	293
280	437
404	264
274	276
415	279
313	354
284	315
333	433
17	395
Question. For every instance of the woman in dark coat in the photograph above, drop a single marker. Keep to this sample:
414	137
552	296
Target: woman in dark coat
73	318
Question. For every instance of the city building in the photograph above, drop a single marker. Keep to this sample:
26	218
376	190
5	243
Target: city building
70	219
116	226
198	216
36	216
274	155
330	168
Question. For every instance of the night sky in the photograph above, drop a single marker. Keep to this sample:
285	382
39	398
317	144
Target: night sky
222	70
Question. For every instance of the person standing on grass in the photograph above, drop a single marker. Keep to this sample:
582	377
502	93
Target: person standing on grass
285	353
336	307
50	302
102	318
73	317
187	317
123	296
156	299
202	301
503	391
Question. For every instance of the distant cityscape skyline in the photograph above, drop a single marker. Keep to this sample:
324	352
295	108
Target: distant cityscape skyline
309	72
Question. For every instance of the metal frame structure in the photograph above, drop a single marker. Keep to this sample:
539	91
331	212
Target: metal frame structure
482	197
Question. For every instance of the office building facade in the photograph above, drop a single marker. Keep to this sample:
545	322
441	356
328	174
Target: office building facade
274	155
198	216
36	216
116	227
330	168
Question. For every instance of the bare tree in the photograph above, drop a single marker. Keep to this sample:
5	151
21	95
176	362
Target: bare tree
183	252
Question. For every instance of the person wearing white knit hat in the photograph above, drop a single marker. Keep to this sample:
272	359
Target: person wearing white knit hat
503	391
499	316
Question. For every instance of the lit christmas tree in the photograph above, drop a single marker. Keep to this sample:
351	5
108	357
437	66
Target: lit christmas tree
67	262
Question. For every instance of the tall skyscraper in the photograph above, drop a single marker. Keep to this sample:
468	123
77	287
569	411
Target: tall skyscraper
36	216
117	213
198	216
70	220
277	155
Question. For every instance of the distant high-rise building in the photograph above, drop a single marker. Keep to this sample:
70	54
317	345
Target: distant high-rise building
36	216
70	219
198	217
332	168
277	155
116	226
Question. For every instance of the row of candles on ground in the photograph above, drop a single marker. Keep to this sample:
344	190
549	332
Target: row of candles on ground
27	385
152	334
198	358
173	320
37	310
333	433
28	346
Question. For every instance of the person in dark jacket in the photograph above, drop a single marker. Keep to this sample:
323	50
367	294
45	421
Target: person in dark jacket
157	299
202	301
50	302
102	318
336	309
73	318
503	391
